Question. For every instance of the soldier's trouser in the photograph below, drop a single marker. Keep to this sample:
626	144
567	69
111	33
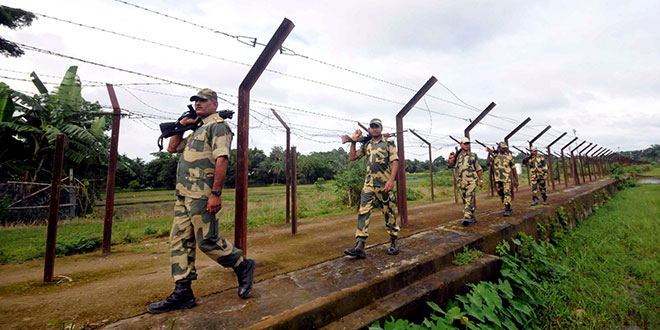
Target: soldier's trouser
504	190
386	199
194	226
468	187
538	188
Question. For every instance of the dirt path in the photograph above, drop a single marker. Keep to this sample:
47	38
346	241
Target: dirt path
108	288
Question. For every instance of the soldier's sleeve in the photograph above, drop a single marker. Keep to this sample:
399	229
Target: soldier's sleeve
544	166
477	166
221	136
391	149
361	151
182	145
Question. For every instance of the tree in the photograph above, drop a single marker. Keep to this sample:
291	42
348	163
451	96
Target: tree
13	18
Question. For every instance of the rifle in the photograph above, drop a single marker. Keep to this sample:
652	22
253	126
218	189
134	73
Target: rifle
169	129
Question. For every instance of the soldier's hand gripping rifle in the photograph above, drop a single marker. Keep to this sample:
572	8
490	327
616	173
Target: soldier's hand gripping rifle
363	139
169	129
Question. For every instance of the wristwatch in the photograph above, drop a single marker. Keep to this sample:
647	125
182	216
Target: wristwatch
216	192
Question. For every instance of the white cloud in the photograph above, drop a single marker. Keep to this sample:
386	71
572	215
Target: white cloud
590	65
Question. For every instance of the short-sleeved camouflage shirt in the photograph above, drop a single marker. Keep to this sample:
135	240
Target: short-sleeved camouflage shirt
538	168
503	164
380	155
467	165
196	169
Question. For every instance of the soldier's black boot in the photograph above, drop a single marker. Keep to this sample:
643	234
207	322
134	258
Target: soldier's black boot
534	202
245	274
181	298
545	200
394	246
507	210
357	251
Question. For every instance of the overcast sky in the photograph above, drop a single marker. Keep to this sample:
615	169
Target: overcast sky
586	66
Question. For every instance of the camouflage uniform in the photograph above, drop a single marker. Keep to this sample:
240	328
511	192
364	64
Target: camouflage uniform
467	166
503	165
538	170
379	158
193	225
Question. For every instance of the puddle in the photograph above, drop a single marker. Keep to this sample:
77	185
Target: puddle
649	181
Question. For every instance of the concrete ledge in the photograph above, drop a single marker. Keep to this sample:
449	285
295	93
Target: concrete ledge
410	302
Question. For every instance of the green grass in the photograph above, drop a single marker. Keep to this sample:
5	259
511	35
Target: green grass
614	258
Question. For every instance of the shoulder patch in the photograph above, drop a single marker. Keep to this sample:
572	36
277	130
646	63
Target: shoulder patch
219	120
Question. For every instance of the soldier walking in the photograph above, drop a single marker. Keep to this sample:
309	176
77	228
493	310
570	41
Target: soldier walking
504	173
382	165
469	170
199	180
538	175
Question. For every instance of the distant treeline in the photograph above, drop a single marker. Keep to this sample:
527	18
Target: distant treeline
650	154
160	173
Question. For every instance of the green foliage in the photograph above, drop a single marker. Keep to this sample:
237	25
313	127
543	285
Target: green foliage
413	195
134	185
13	18
467	256
349	181
509	303
319	185
77	245
150	231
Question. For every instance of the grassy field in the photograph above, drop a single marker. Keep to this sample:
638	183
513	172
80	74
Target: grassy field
614	258
148	214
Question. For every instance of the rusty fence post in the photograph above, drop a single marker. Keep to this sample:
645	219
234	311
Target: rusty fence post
582	170
574	168
552	177
506	141
401	176
112	171
563	163
453	173
491	184
242	147
478	119
294	191
588	161
594	156
430	159
287	171
599	161
530	147
54	207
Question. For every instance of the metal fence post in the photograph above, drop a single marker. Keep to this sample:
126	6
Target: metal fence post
563	163
401	176
491	184
574	169
294	191
273	46
287	171
430	159
582	161
54	208
506	140
112	170
552	177
588	161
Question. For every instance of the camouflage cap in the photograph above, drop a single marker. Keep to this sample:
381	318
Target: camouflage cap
377	122
204	94
533	149
503	145
464	140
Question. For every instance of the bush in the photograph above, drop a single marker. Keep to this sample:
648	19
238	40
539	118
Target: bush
319	185
149	230
413	195
77	245
134	185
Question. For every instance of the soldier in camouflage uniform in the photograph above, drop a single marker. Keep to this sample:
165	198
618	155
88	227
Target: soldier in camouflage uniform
504	173
382	165
538	175
200	177
468	169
